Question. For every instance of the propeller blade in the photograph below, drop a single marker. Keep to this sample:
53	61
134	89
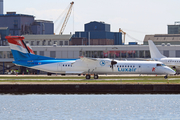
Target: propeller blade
112	64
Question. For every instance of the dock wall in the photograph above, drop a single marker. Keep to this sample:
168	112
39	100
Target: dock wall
89	89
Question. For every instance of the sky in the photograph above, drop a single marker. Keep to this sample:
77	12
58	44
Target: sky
135	17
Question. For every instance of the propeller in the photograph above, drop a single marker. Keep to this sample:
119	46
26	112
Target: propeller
113	63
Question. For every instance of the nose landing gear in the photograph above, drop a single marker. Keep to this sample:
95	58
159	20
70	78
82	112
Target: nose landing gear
165	77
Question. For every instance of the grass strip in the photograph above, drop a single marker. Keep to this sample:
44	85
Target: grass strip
102	79
83	77
97	81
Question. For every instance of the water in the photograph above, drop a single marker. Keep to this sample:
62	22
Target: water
89	107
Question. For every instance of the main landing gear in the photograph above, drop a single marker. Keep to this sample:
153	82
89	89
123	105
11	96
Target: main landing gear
88	76
96	76
49	74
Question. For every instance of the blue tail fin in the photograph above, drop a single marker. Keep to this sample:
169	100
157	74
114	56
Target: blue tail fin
21	51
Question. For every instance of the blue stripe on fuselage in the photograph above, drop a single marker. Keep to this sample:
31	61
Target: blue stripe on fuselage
30	60
28	56
32	63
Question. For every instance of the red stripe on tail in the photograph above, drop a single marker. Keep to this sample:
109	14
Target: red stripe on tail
17	40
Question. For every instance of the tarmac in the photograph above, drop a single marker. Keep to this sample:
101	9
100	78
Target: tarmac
111	75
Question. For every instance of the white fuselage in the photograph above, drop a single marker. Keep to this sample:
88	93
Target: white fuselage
104	66
171	62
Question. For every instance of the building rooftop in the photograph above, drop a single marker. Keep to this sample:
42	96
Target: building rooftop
97	22
163	38
14	14
50	37
47	21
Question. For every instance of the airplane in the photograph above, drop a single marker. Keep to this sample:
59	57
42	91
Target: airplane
24	57
157	56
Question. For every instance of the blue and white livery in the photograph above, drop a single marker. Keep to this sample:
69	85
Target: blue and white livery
24	56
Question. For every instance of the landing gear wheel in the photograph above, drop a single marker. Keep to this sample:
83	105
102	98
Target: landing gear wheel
96	76
49	74
88	76
165	77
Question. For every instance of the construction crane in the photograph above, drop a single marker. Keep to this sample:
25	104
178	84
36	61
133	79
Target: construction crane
66	18
124	33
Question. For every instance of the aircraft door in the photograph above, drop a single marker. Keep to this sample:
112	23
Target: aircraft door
59	67
139	68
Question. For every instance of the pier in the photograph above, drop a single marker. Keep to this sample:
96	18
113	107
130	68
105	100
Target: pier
90	88
29	84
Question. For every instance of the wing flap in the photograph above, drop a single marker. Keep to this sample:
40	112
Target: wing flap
76	72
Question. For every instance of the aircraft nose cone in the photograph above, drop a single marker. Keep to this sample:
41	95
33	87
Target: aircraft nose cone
171	71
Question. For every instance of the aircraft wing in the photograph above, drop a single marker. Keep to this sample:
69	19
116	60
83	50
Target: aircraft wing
145	59
85	59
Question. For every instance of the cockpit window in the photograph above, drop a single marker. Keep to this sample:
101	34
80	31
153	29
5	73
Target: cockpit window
160	65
